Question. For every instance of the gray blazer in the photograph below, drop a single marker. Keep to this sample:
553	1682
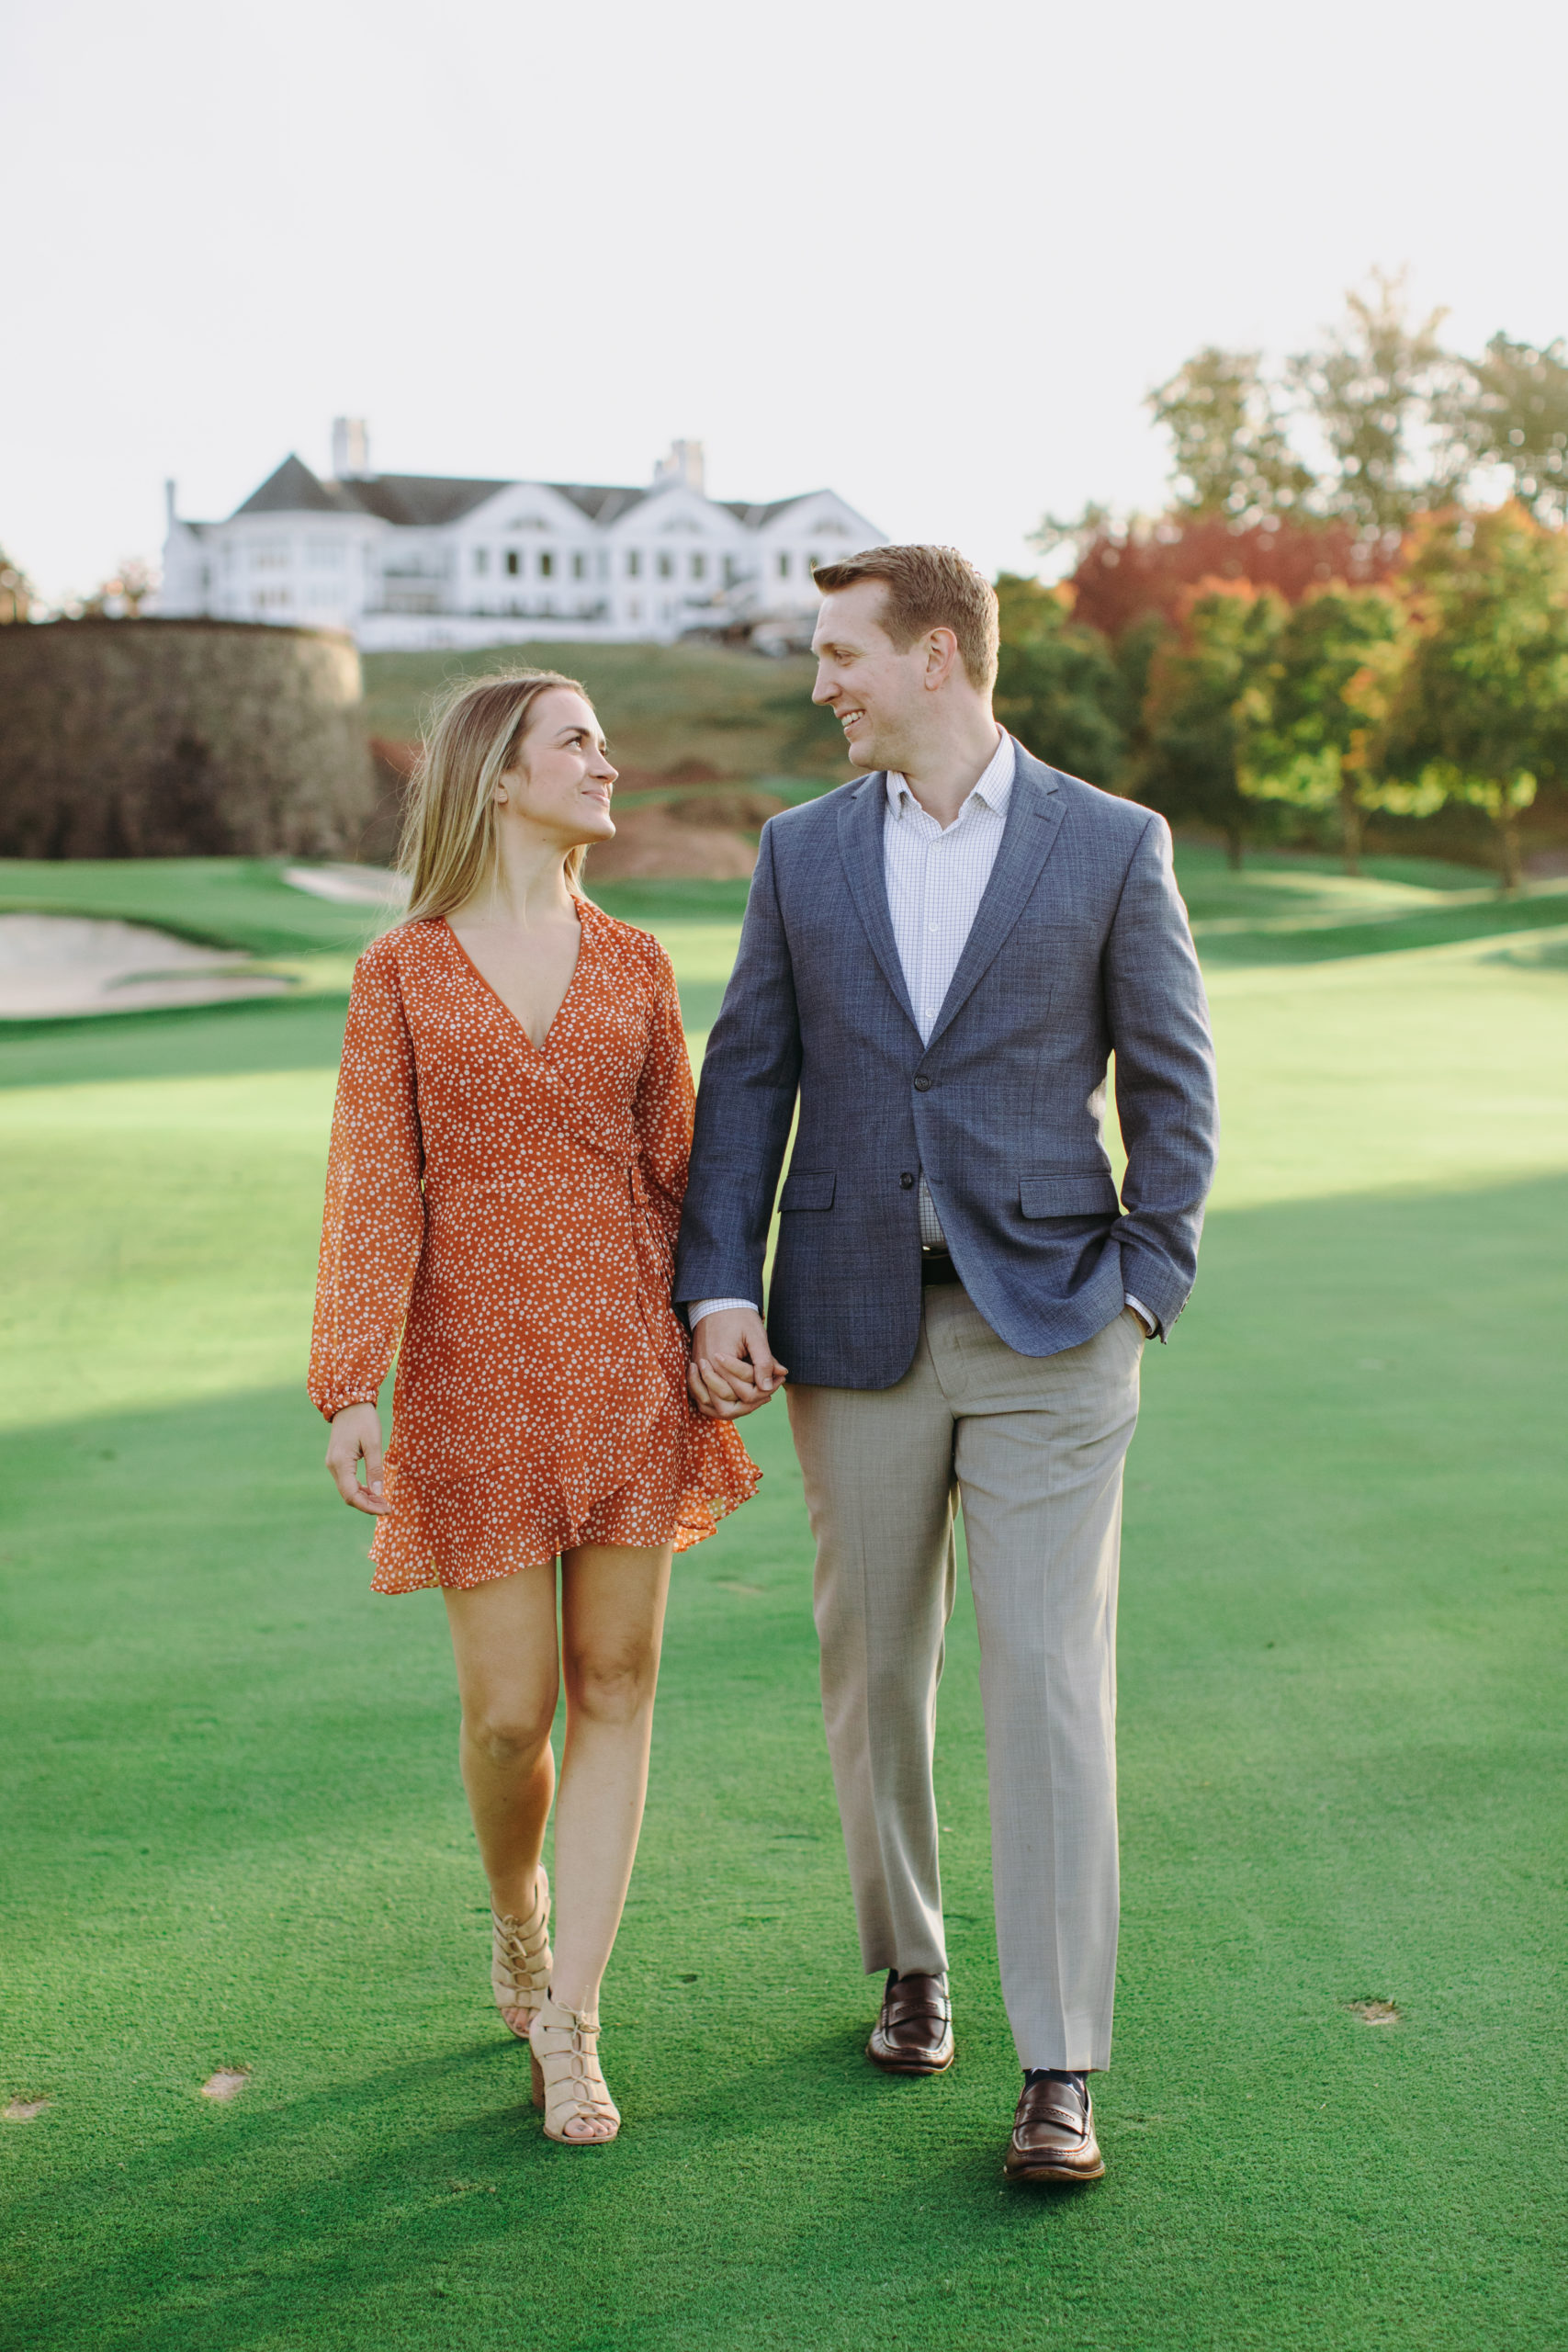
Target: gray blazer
1080	946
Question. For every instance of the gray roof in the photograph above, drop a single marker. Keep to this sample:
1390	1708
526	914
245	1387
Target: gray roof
755	516
295	489
417	499
430	500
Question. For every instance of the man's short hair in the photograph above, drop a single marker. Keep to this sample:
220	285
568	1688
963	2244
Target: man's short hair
928	588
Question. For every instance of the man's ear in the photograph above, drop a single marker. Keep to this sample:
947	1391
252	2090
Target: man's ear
942	652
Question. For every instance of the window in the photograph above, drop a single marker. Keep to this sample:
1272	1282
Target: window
546	564
269	555
514	563
666	565
634	566
731	571
579	565
699	567
633	609
784	567
325	555
603	572
481	561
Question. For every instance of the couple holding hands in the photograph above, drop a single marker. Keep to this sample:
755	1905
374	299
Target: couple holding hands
938	961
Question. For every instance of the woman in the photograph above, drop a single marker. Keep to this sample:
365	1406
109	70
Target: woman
509	1153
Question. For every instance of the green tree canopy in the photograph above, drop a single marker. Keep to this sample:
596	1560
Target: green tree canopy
1230	450
1518	418
1191	765
1059	686
1305	722
1480	712
1393	405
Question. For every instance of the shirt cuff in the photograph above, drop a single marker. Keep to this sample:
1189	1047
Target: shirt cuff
697	1307
1150	1318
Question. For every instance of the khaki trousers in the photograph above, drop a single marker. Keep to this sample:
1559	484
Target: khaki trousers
1032	1446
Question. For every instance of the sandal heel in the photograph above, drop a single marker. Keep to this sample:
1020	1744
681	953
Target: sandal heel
520	1957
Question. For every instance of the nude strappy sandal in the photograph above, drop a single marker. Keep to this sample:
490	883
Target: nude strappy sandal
567	2081
520	1957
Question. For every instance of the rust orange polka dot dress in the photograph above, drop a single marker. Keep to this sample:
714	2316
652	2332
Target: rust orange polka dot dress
508	1213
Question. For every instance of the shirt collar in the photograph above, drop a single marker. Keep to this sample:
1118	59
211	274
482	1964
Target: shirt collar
994	787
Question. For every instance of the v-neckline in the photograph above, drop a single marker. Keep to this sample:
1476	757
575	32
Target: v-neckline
496	997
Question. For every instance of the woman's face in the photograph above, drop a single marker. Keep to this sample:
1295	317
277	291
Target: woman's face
560	781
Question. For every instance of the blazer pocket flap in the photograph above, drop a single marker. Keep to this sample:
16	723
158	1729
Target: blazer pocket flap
808	1188
1067	1197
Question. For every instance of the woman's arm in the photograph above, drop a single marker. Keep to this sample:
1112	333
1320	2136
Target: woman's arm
661	1115
373	1229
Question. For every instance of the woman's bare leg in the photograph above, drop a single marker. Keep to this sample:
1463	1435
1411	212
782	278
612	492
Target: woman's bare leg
613	1598
504	1637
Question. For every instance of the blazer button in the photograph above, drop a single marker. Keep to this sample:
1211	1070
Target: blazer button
907	1181
922	1084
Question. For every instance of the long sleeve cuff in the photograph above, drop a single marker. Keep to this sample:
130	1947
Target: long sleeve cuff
697	1307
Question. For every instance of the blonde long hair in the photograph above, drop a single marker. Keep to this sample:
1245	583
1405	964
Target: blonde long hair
448	847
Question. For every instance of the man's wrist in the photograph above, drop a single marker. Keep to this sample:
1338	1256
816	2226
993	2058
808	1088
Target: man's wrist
1149	1320
696	1308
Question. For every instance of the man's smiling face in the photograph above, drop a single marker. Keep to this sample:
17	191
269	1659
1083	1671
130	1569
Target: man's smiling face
878	694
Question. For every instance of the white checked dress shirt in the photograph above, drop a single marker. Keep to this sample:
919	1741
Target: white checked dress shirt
936	877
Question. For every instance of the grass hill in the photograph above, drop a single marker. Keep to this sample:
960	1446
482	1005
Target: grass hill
662	707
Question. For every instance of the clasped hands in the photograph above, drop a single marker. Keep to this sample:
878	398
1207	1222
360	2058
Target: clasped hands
733	1370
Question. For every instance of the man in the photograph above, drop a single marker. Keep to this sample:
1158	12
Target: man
937	962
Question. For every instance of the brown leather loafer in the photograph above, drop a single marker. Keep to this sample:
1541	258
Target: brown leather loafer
1052	2134
914	2033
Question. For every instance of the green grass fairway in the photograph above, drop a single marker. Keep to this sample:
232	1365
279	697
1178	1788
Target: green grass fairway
236	1838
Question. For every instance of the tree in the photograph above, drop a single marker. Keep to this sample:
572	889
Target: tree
1191	765
1059	686
1394	407
1230	450
1127	573
1305	725
1480	712
121	597
17	592
1518	418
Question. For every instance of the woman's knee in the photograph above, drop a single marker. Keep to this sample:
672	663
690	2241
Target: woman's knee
613	1686
509	1733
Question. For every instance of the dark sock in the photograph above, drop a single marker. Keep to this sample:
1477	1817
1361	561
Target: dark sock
1033	2075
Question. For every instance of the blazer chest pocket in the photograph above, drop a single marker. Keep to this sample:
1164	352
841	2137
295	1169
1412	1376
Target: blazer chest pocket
807	1188
1067	1197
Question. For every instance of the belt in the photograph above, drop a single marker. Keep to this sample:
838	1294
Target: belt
936	1266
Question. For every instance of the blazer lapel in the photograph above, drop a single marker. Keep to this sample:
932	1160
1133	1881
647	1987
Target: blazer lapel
1035	815
860	818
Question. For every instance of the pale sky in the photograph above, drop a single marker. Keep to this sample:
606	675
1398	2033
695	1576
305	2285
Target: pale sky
932	256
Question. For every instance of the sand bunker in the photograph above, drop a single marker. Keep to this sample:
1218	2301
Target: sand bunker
53	965
350	886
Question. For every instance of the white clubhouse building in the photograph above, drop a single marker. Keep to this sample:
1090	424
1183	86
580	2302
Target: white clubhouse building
407	562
